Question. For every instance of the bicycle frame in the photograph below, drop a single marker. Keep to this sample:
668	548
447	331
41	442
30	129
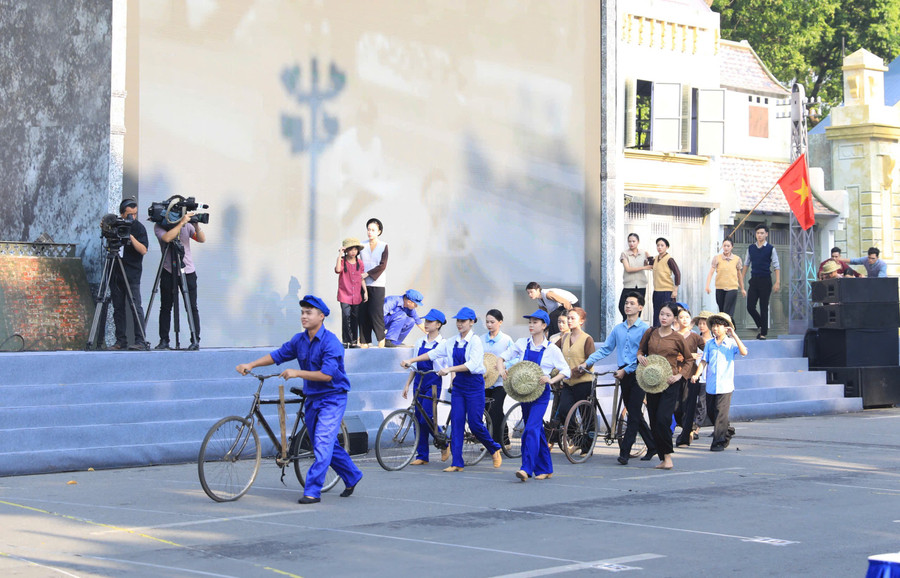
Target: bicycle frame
256	414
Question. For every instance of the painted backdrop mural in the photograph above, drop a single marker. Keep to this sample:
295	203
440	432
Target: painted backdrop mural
460	126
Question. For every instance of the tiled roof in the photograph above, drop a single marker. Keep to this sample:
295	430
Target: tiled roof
741	69
752	178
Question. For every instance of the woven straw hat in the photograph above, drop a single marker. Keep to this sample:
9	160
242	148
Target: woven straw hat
351	242
652	377
490	370
721	317
523	381
830	267
702	315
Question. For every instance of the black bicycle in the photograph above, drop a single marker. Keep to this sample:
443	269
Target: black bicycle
230	454
398	435
582	428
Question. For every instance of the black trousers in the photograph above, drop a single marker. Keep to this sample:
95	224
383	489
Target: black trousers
633	398
166	283
371	316
687	410
661	407
718	405
122	309
498	427
642	291
760	290
350	322
569	395
727	301
660	298
553	329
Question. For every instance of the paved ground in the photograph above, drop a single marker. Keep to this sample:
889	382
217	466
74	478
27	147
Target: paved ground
800	496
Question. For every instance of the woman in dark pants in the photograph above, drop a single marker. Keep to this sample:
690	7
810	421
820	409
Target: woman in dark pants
496	342
374	257
667	342
666	278
729	278
634	278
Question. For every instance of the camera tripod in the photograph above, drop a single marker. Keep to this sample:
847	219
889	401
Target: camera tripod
112	263
179	284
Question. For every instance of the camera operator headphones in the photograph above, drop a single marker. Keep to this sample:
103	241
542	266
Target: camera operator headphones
129	202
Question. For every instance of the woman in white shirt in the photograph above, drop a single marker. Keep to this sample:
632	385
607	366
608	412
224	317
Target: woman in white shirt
496	342
374	257
536	460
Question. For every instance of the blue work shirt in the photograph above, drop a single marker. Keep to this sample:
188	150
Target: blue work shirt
393	308
325	353
720	365
625	341
496	346
878	269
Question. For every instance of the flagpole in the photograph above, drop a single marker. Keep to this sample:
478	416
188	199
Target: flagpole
733	231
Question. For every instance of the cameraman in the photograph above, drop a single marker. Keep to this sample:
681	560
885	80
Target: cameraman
183	230
132	259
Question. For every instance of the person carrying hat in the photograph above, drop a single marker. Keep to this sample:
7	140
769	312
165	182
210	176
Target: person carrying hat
496	342
844	269
400	317
467	401
351	289
427	386
325	385
536	460
668	343
718	359
624	339
686	405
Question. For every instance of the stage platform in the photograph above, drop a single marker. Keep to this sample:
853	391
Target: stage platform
73	410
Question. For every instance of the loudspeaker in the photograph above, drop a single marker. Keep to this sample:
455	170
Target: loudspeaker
853	290
359	437
877	386
856	347
857	316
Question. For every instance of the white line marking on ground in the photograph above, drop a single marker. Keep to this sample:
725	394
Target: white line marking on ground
176	568
882	417
611	565
205	521
33	563
858	487
654	475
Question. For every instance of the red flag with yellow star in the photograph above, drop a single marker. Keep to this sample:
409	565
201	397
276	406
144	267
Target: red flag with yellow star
794	184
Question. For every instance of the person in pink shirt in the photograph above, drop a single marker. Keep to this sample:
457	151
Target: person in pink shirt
351	289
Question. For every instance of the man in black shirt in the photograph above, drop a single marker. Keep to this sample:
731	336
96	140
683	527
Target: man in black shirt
132	259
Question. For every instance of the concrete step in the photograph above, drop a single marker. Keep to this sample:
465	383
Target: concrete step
795	408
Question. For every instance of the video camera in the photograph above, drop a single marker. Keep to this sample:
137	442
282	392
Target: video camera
115	230
167	213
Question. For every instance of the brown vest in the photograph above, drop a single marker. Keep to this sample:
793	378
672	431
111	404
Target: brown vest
575	356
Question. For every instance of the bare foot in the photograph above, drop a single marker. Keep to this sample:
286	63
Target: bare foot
665	464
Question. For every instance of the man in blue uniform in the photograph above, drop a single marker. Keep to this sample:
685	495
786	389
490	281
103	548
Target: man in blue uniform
400	317
320	355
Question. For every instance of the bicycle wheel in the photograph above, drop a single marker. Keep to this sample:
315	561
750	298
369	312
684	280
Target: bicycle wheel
229	459
512	432
303	457
472	449
639	448
580	432
395	443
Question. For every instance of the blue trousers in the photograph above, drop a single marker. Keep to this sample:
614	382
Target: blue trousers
535	453
323	421
398	327
467	405
425	431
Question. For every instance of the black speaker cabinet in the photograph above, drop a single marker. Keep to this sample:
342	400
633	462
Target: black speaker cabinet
877	386
855	290
857	316
359	437
857	347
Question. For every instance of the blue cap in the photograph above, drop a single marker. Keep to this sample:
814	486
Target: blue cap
414	296
435	315
539	314
313	301
466	314
683	306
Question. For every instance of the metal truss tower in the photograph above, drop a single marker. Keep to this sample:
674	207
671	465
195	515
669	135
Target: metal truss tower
803	269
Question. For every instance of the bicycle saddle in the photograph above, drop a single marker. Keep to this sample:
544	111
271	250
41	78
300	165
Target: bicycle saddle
297	391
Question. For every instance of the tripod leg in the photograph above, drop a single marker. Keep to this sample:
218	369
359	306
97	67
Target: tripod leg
129	298
189	314
159	271
97	333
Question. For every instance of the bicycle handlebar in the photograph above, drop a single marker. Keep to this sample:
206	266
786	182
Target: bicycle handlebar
262	377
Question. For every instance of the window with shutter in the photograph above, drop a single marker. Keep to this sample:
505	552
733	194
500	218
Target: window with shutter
710	122
665	117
